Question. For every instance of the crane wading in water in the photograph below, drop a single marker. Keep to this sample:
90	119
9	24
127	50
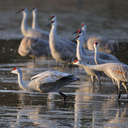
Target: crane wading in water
41	81
116	71
45	82
88	59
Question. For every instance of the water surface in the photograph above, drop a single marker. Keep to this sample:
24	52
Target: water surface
86	106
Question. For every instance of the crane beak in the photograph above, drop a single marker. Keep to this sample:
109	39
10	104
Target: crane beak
20	10
74	41
51	21
77	32
32	9
74	33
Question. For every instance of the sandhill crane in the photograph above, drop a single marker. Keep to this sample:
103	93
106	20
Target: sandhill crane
88	59
84	30
34	15
35	23
30	32
102	55
34	48
32	44
105	45
116	71
61	50
97	59
45	81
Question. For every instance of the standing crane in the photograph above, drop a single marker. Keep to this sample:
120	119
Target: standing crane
61	50
31	32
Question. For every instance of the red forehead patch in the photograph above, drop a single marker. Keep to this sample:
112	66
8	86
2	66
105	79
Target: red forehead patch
82	25
75	60
78	31
14	68
51	17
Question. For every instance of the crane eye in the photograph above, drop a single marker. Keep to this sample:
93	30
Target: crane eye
82	25
51	17
52	21
96	43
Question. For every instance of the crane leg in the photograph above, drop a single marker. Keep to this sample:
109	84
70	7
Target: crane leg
118	89
63	95
92	80
98	79
33	59
113	81
124	85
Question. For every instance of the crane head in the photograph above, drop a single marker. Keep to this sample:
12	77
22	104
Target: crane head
95	44
77	32
75	61
14	70
23	10
52	19
34	10
84	26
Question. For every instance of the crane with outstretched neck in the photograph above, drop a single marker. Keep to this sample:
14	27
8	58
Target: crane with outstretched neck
62	50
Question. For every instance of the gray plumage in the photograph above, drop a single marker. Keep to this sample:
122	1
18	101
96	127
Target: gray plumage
61	50
31	32
34	47
45	81
87	59
90	45
116	71
105	45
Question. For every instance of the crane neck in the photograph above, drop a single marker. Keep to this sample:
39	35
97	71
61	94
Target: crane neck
95	55
24	26
34	22
20	80
52	36
79	52
54	28
84	33
98	67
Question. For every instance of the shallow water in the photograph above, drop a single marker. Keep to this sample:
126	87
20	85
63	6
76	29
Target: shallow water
86	106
